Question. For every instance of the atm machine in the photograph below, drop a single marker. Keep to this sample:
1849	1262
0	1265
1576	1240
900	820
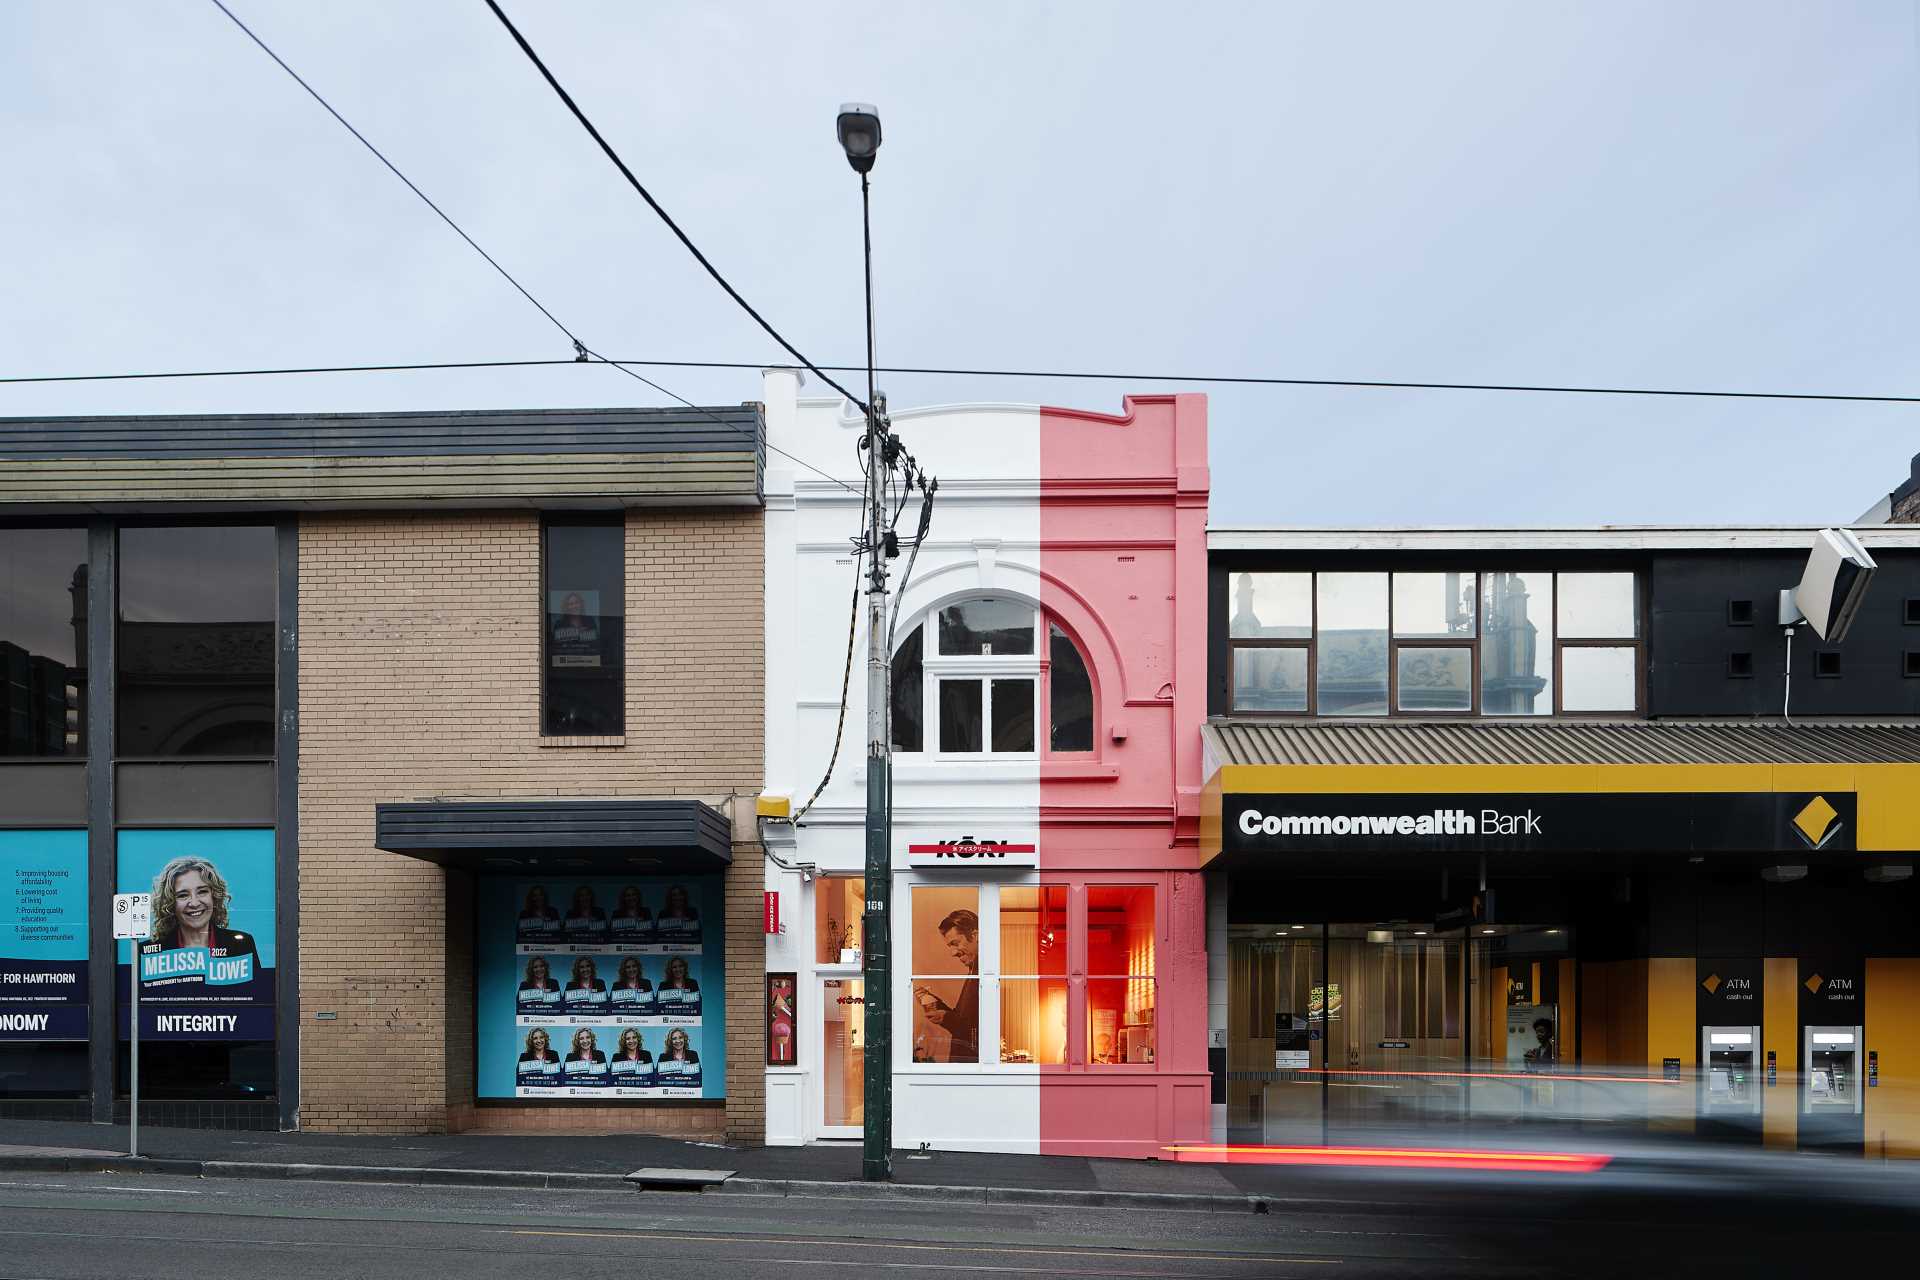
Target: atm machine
1833	1078
1731	1079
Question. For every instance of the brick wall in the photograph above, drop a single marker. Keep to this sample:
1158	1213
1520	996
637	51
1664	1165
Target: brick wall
420	678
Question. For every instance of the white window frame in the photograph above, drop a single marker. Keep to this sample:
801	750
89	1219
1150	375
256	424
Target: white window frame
986	668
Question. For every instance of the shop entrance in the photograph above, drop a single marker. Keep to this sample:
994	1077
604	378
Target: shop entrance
843	1049
1341	1031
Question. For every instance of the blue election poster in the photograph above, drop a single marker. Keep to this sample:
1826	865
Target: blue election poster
600	987
43	935
206	966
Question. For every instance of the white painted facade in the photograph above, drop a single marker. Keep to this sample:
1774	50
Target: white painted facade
985	538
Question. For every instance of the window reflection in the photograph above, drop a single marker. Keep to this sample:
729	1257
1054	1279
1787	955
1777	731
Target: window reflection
1350	678
195	653
1069	696
1432	606
987	627
1270	679
1434	679
910	692
1598	678
1598	606
1272	606
43	641
584	576
1516	653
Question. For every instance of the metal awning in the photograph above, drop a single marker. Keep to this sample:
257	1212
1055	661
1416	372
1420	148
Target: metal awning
512	835
1556	742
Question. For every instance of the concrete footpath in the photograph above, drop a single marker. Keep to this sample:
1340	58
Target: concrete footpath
628	1161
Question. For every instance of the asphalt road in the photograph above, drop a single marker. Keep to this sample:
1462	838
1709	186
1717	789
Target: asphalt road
95	1226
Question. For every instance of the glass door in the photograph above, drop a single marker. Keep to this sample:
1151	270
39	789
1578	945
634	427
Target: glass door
1395	1030
843	1050
1276	1034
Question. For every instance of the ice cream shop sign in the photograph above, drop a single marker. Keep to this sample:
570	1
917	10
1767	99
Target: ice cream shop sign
967	851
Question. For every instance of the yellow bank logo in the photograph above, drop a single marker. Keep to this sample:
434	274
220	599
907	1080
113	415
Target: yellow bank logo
1818	823
1814	983
1711	982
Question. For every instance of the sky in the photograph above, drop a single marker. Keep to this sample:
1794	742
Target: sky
1712	195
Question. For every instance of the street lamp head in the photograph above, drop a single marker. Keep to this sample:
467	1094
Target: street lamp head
859	130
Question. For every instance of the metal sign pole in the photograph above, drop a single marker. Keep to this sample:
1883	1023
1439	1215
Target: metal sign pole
133	1058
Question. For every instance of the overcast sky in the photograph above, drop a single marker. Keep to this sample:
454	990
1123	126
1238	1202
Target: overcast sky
1694	195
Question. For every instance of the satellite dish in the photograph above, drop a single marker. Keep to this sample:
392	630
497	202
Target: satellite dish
1830	591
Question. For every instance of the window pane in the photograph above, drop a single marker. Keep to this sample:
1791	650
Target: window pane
1013	715
1069	696
1351	676
946	962
910	692
960	715
196	641
1033	1020
585	584
987	626
1435	679
43	642
1516	649
1120	930
838	904
1599	606
1272	606
1120	1020
1033	930
843	1051
1270	679
1431	605
1598	677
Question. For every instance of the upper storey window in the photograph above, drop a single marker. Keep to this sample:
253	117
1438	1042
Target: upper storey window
43	642
1493	643
991	676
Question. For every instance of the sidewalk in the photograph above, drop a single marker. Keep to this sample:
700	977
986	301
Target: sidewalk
607	1160
612	1162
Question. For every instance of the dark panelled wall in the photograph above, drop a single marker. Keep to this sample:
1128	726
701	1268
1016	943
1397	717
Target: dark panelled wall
1693	644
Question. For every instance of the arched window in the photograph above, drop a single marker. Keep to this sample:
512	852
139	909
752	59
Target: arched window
972	679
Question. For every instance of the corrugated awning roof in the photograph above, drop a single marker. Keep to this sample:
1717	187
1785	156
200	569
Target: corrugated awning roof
1257	742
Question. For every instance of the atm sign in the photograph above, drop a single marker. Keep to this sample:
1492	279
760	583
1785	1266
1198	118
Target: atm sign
968	851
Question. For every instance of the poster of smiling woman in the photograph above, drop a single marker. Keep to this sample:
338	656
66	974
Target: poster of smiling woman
206	964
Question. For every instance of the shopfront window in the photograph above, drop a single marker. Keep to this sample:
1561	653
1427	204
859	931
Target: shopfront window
196	653
43	642
1433	643
1120	974
985	687
945	973
1033	967
584	588
838	902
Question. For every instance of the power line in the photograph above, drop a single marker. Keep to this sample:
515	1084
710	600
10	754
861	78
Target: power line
580	347
933	371
665	217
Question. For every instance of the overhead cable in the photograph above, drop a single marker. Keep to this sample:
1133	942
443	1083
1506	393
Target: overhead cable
583	353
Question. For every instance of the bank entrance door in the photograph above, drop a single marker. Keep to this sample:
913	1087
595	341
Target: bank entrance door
1352	1032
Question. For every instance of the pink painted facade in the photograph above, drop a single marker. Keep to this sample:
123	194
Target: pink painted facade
1123	510
1074	1017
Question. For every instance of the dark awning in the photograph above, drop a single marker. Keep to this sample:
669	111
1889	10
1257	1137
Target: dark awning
508	835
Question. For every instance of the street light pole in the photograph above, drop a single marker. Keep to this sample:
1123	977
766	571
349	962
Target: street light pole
859	132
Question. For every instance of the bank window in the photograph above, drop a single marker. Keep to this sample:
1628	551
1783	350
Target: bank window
195	655
1445	642
1033	968
989	688
583	643
43	642
839	903
945	973
1120	974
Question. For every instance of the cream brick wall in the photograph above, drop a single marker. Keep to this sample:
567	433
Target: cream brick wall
420	677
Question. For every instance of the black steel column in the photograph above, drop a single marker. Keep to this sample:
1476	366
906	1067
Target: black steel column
286	824
103	1020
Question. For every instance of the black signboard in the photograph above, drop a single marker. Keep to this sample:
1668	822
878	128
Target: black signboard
1833	991
1685	822
1727	993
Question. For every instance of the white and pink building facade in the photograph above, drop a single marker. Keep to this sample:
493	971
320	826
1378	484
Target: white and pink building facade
1049	940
